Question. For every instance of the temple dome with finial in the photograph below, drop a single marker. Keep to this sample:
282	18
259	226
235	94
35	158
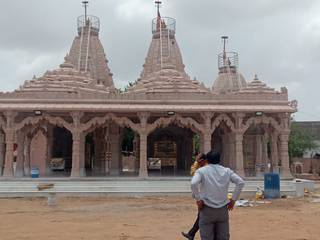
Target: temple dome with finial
229	78
163	70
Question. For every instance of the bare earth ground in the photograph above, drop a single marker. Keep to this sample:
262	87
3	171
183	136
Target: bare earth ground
120	218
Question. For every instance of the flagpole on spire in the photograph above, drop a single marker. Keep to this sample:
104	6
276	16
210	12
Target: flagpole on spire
159	27
85	5
224	39
158	5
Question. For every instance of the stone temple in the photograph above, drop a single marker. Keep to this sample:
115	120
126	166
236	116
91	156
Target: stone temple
73	122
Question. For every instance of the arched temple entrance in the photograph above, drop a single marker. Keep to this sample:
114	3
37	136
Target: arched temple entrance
110	150
60	162
170	150
260	150
222	142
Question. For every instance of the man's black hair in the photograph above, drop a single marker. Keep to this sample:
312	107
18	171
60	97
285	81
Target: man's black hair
213	157
203	156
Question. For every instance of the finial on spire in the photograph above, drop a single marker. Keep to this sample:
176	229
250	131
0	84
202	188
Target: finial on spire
224	40
85	5
158	5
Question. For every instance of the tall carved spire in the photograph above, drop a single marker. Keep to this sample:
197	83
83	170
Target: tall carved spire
87	53
163	70
164	51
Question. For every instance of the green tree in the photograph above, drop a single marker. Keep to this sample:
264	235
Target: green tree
300	140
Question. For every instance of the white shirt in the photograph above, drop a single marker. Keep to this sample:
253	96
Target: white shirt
211	183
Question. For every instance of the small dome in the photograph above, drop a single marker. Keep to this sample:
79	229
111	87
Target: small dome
230	81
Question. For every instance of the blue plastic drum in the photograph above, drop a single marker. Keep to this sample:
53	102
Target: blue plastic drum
271	185
34	172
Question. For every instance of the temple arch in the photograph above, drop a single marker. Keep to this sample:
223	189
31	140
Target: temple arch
222	118
260	146
222	142
170	147
103	144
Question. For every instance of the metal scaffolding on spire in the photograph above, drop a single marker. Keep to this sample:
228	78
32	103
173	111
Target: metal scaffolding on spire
227	61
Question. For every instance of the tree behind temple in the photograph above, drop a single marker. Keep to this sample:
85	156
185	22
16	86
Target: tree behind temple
300	140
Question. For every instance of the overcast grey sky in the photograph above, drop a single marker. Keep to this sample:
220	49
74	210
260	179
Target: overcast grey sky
277	39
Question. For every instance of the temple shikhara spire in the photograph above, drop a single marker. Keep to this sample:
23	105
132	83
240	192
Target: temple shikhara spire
85	64
163	70
73	122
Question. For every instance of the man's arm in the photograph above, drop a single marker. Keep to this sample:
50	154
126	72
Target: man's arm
238	181
195	182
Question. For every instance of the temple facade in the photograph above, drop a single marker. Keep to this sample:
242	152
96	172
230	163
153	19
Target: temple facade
73	122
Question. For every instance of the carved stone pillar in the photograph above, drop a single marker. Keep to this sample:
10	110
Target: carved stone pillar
134	150
143	170
239	153
207	131
20	156
10	134
115	150
207	141
137	153
284	155
258	149
8	166
49	148
26	163
2	139
232	156
75	171
201	139
82	155
265	158
76	138
96	168
258	144
274	151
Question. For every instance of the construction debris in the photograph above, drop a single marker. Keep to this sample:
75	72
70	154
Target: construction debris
243	203
44	186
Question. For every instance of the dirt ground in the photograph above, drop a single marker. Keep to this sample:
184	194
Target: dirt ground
163	218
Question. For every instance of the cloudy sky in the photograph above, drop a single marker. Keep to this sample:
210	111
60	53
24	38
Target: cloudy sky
277	39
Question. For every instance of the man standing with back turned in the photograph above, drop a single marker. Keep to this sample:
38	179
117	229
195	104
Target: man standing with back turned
210	189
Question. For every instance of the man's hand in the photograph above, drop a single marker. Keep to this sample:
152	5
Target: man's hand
200	204
231	204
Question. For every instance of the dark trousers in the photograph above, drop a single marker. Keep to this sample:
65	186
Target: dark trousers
214	223
194	228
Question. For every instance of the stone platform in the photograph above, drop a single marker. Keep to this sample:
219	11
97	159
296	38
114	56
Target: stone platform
27	187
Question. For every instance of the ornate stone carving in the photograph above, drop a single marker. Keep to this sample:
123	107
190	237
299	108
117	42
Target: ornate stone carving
222	118
261	120
143	116
180	121
57	121
294	104
99	121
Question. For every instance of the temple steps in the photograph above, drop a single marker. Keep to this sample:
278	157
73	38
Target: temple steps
104	186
